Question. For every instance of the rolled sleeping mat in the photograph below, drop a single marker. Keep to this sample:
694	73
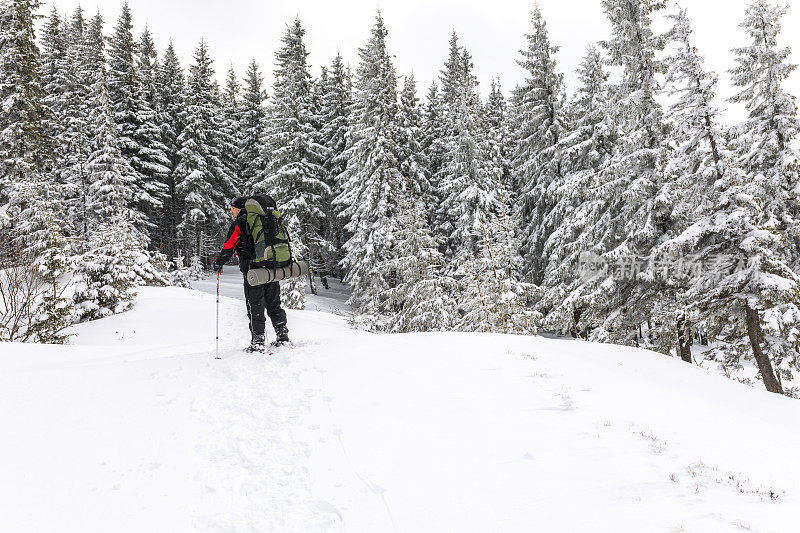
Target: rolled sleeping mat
260	276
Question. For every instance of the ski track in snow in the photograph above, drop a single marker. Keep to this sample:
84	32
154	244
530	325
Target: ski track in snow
349	431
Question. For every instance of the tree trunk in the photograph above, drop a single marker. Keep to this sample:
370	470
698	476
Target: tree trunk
762	359
311	284
323	270
684	340
576	318
703	339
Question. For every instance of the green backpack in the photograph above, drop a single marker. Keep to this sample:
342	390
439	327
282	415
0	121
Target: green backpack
268	233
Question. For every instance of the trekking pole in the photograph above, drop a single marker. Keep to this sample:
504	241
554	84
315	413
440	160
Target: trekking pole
217	314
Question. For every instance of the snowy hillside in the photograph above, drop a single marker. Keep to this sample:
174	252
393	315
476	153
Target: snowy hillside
135	427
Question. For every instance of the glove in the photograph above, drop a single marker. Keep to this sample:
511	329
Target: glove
217	267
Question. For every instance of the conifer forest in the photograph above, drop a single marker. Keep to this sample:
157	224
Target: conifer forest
626	211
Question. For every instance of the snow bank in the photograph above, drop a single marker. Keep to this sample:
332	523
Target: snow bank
135	427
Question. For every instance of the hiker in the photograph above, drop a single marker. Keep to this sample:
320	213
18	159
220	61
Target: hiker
258	298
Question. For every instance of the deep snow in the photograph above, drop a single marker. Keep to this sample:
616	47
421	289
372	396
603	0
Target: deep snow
135	427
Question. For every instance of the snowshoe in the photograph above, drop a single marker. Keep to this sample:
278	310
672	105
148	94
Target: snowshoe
282	337
256	345
277	344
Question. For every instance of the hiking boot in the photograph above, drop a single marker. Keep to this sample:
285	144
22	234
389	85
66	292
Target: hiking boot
281	336
256	345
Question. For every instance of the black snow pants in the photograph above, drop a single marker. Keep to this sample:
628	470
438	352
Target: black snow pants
259	298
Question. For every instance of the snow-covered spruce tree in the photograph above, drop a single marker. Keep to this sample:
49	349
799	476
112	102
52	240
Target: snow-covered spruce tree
585	147
765	141
171	107
80	70
318	89
105	281
138	132
372	182
697	159
23	120
112	189
468	200
179	277
412	159
55	309
293	290
39	196
147	69
294	175
252	158
54	81
498	135
493	298
318	86
749	299
53	50
231	139
696	162
539	111
422	298
468	196
452	75
203	181
746	294
109	180
26	171
48	251
432	144
440	131
337	97
196	270
634	215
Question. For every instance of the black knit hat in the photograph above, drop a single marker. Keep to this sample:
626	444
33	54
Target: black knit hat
238	202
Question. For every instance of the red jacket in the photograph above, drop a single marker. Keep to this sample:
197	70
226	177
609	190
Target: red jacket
237	242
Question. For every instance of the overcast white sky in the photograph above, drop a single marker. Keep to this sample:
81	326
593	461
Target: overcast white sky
493	31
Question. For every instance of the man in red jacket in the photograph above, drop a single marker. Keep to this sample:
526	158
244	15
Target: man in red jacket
260	297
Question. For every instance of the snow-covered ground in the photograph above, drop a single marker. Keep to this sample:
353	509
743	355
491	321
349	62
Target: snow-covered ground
136	427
